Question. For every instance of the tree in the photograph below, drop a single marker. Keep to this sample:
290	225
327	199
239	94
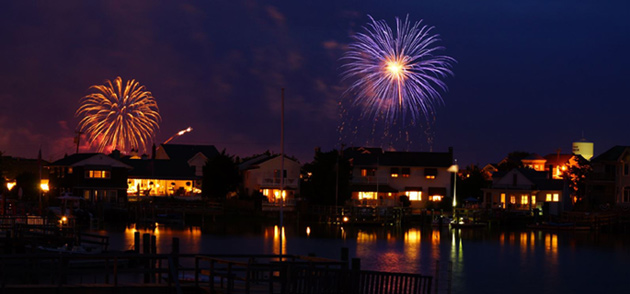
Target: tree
472	184
321	179
577	175
220	176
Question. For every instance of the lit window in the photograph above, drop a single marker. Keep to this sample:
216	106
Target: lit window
368	172
548	198
435	198
524	199
430	173
394	172
98	174
533	199
414	195
512	199
367	195
556	197
503	199
406	172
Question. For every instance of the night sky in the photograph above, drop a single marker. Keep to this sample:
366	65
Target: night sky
531	75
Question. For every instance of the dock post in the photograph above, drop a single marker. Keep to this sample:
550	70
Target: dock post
344	256
146	250
356	264
136	242
175	253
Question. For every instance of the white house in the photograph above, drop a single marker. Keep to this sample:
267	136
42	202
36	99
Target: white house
380	177
262	174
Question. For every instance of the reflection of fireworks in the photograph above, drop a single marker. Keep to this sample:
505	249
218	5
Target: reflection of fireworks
119	116
396	74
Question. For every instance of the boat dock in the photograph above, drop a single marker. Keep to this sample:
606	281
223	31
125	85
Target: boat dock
131	272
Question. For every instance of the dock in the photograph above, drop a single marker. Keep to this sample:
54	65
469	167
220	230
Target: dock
131	272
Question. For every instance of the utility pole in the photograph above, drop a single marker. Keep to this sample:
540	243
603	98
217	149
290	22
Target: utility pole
78	139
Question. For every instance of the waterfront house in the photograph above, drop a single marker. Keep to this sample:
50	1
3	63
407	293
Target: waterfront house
524	189
161	177
262	174
94	177
609	183
380	178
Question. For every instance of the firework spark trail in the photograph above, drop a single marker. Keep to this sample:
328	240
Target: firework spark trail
119	116
396	73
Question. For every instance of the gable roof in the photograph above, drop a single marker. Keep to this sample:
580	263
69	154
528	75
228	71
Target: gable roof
89	159
612	154
258	160
539	179
186	152
160	169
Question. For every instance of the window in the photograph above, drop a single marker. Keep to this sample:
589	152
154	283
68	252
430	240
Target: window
394	172
405	172
524	199
503	200
98	174
555	197
414	195
430	173
367	195
276	173
435	198
512	199
368	172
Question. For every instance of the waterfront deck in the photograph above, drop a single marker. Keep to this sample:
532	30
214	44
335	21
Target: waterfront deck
187	273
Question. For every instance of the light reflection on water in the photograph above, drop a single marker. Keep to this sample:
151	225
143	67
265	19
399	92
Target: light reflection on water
483	261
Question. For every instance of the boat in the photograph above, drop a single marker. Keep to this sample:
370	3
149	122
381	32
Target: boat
467	223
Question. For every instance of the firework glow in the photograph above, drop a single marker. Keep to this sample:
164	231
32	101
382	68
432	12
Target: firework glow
117	115
396	73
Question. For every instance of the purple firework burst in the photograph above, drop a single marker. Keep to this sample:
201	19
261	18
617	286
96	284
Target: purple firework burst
396	73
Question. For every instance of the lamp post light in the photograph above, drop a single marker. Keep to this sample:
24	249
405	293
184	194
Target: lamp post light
454	169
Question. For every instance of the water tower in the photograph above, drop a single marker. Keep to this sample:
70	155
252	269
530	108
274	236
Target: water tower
583	148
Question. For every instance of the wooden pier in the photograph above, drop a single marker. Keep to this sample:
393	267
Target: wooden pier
190	273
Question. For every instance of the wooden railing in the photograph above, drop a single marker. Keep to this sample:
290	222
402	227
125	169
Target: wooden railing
215	273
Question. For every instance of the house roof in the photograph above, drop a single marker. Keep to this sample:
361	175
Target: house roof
557	159
540	179
14	166
256	161
612	154
533	156
89	159
160	169
180	152
72	159
375	156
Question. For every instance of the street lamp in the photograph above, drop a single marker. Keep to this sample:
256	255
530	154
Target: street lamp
454	169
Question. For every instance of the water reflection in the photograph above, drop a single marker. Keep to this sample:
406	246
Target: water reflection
511	257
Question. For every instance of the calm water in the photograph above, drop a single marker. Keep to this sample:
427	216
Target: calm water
483	261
